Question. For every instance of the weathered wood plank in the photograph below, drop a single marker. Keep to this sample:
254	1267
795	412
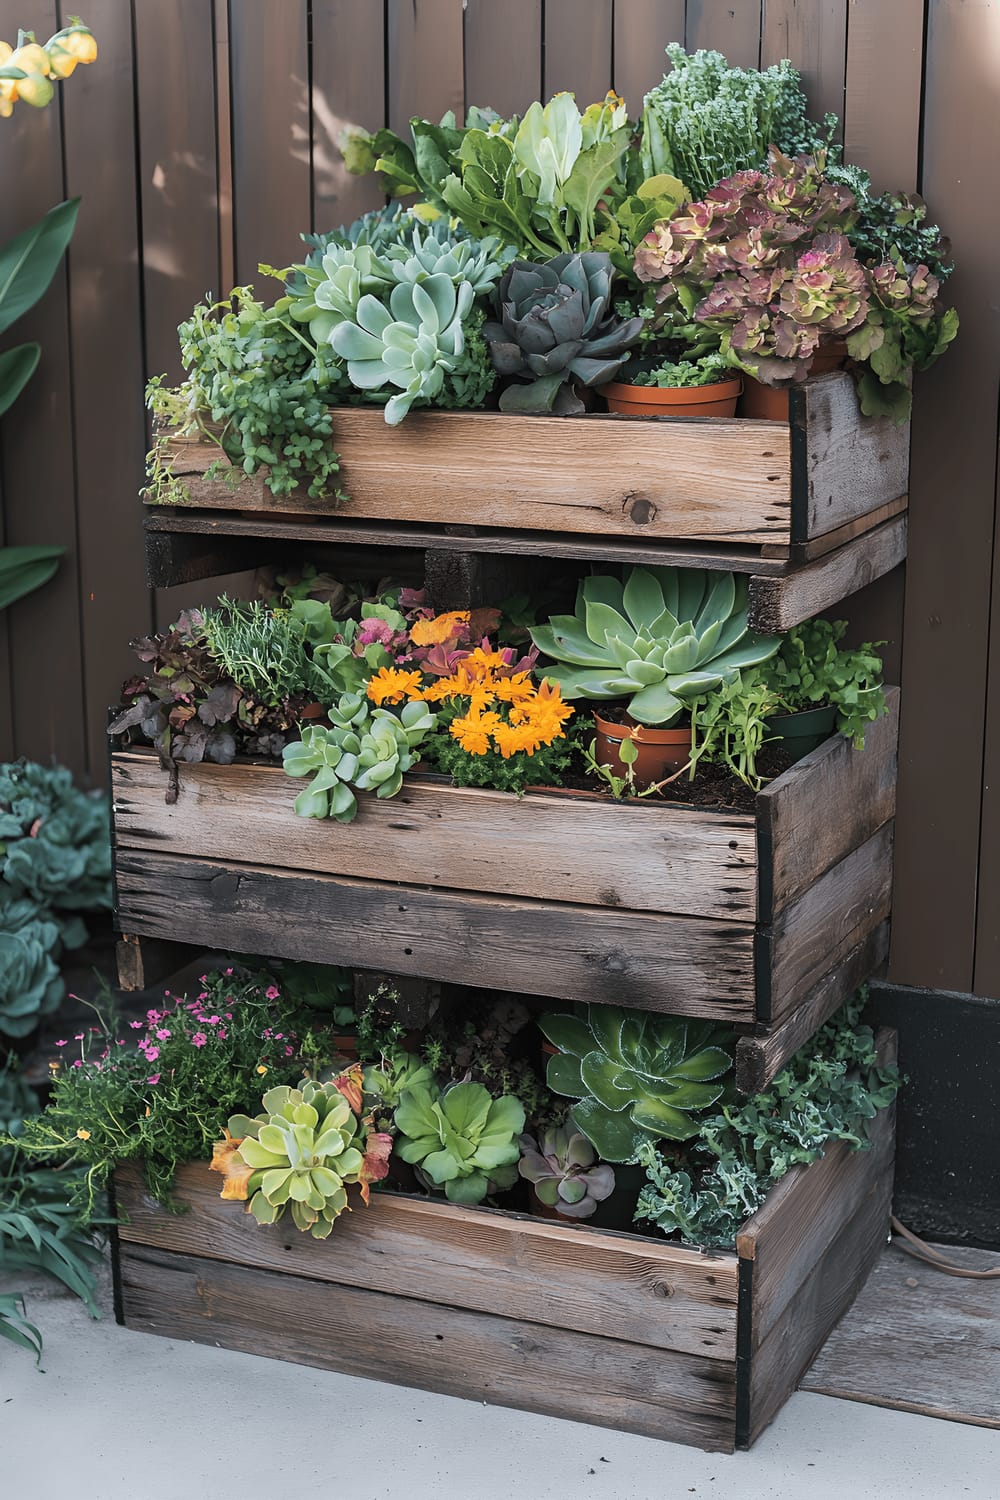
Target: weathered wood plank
802	552
642	30
680	965
578	43
780	603
843	465
805	1212
503	55
760	1057
882	106
646	1292
586	849
833	1281
424	65
813	33
343	531
710	478
143	962
348	90
733	29
823	807
918	1341
818	929
470	1354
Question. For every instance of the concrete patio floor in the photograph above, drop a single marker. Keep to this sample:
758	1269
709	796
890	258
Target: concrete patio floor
119	1415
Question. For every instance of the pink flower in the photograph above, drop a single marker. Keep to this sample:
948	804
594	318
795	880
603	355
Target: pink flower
63	1043
163	1033
202	978
279	1036
229	1015
153	1078
289	1051
136	1025
199	1039
222	1033
203	995
212	1020
77	1063
227	972
152	1053
272	992
78	1037
152	1016
165	994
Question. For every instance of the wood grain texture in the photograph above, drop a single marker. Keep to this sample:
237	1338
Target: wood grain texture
646	1292
823	807
918	1341
731	27
680	965
144	962
348	91
709	479
829	541
817	930
778	604
577	49
424	61
581	849
642	30
503	55
813	33
882	104
851	465
505	1361
760	1057
271	121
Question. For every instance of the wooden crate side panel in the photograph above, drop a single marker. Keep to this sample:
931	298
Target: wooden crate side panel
777	604
643	1292
815	932
849	465
576	849
679	965
823	807
478	1356
706	479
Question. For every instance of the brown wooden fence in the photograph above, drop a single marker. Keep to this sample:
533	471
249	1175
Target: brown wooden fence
203	141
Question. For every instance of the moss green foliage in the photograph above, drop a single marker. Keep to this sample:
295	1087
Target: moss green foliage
160	1093
828	1092
707	120
486	1039
810	669
892	224
730	725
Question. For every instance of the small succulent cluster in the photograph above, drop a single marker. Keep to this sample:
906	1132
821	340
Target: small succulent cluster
27	71
462	1139
660	640
563	1169
363	750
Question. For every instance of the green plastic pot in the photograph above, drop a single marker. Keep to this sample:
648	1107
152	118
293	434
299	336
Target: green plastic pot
802	732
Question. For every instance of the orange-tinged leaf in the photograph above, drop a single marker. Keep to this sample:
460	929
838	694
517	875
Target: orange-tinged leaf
349	1083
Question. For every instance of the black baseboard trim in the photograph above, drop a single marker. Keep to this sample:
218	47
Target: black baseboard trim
948	1123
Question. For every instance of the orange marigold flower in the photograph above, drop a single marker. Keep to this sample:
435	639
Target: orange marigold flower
440	628
490	660
390	685
514	689
510	738
473	731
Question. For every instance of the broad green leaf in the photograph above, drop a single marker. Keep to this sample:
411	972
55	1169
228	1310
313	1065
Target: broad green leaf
613	1135
568	1033
563	1076
612	1085
28	262
16	368
23	569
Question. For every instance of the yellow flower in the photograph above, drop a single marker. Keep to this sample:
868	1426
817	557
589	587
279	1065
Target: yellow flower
225	1159
82	44
389	685
83	1135
514	689
440	628
484	660
473	731
513	737
261	1070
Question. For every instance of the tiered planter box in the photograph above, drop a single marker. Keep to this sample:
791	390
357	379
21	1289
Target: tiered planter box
738	916
624	1331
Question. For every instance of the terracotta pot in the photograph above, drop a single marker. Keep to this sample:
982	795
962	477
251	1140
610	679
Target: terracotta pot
802	732
718	400
769	403
312	711
661	751
345	1044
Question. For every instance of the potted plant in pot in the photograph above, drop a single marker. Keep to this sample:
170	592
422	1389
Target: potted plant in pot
702	386
821	687
649	646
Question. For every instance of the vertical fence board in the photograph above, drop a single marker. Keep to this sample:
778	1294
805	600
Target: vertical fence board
885	45
348	89
813	33
271	124
6	687
175	82
642	30
38	478
503	54
948	569
729	26
425	61
105	318
577	54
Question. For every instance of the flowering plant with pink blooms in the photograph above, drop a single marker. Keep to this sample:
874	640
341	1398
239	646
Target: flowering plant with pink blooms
160	1089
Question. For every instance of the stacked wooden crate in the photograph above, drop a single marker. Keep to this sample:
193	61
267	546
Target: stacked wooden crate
766	919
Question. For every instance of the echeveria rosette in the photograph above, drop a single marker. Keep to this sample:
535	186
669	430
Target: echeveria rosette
462	1140
411	344
363	750
30	982
563	1168
635	1076
557	331
661	639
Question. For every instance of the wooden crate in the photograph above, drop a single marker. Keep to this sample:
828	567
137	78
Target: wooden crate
620	1330
826	474
737	916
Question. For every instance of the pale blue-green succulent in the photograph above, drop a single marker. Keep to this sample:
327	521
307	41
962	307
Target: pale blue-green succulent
636	1076
481	263
462	1140
412	344
364	750
661	639
326	295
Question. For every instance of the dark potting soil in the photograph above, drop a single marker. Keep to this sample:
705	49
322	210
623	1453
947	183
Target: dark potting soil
713	786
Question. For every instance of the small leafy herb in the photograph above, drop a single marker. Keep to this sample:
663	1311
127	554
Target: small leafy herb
810	669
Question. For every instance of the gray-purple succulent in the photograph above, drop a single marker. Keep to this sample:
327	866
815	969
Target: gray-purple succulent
563	1168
